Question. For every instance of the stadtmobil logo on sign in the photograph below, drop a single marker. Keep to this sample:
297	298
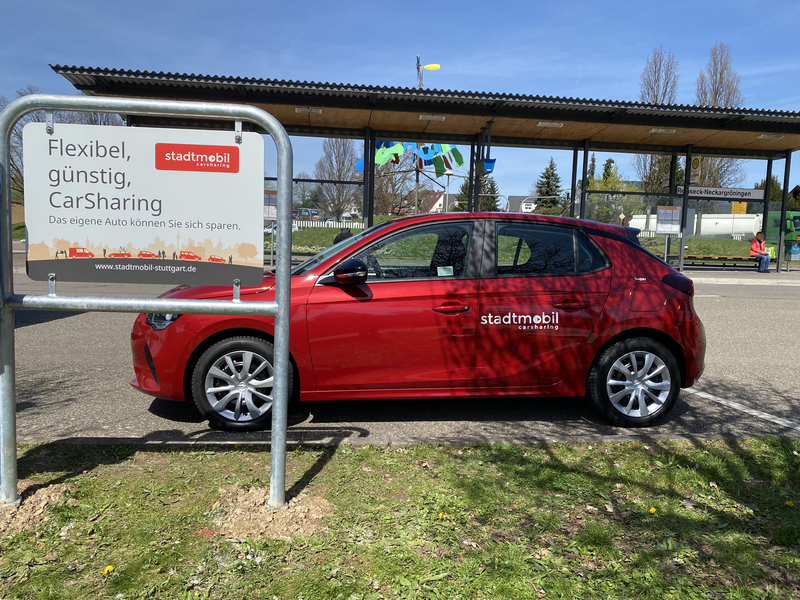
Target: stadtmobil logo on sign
191	157
144	205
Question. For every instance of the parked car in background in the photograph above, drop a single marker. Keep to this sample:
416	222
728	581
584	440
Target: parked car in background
445	305
273	228
187	255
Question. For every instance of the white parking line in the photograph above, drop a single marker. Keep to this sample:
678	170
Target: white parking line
745	409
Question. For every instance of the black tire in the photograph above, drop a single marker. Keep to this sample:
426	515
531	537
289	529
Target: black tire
635	397
232	384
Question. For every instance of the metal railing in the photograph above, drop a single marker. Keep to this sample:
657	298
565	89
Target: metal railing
9	301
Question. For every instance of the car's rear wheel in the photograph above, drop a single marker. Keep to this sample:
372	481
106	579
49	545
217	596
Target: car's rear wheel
635	382
233	385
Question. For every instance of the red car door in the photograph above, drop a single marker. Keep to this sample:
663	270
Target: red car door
412	325
539	305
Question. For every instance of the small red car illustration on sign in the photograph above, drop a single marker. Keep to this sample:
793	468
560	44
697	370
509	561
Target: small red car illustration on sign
147	254
120	254
186	255
80	253
216	259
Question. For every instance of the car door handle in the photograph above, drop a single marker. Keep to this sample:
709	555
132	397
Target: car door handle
451	308
571	305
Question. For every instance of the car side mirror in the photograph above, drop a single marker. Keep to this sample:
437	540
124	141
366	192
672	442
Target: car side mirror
350	272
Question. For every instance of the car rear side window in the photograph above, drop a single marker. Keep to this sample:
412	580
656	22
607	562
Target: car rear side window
534	249
589	257
436	251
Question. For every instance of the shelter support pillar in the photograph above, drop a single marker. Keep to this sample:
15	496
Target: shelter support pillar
573	188
784	201
584	179
368	200
673	187
767	194
685	207
471	185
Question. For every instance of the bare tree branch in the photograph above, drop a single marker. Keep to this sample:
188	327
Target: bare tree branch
38	116
658	84
338	163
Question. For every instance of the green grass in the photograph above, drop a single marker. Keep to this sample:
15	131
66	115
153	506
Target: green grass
688	519
700	246
18	231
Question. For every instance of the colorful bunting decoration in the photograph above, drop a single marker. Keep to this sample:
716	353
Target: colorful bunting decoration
441	156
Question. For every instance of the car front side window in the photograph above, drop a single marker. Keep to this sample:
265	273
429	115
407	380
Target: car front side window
430	251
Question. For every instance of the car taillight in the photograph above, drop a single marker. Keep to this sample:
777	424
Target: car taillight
680	283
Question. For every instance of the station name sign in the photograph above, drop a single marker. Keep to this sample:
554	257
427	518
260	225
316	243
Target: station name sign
741	194
143	205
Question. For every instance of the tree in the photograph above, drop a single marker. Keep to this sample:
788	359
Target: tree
303	191
488	197
609	206
246	251
548	188
718	86
775	190
16	166
658	84
338	163
394	185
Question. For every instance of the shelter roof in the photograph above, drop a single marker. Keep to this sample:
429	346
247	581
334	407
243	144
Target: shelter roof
400	113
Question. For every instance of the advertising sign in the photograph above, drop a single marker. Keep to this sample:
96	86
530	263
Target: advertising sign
668	219
143	205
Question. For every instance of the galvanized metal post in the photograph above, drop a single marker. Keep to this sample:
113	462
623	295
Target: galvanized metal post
280	309
8	416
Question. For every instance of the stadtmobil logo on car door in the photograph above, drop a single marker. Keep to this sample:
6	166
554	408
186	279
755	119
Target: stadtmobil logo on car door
144	205
191	157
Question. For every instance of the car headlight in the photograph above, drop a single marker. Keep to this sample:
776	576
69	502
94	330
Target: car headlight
159	321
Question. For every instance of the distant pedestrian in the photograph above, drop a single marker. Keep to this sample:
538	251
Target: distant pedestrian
230	259
174	256
342	235
104	252
758	248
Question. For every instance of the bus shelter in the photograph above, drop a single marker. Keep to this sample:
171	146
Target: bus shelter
483	120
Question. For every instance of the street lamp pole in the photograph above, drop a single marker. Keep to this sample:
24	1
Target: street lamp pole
420	69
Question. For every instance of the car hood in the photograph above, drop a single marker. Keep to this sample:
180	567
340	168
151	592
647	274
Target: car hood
207	292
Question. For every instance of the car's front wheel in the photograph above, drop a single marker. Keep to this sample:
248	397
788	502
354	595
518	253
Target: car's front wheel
635	382
233	385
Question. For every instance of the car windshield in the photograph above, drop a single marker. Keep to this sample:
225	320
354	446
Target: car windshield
328	252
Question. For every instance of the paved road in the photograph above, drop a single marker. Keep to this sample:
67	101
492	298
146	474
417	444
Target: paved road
73	372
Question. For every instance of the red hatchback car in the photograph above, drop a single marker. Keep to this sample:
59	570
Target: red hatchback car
446	306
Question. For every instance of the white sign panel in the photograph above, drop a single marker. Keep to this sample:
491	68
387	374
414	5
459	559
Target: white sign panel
723	193
135	204
668	219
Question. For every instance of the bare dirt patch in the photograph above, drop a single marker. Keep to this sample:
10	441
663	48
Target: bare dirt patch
32	512
247	515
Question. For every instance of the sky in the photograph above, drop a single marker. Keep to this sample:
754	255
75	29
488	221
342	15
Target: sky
566	48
